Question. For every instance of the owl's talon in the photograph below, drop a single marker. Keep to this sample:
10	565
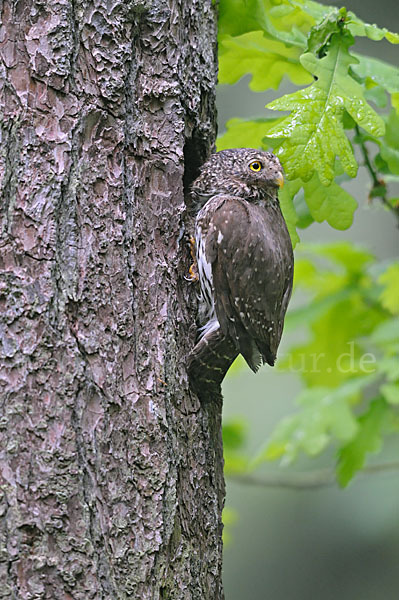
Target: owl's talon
193	275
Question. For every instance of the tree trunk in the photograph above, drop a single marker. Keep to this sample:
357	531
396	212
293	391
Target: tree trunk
110	469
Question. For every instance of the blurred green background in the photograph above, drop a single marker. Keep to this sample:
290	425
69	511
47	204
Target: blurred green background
323	543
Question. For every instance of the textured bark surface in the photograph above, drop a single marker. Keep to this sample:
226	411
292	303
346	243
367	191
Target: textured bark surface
110	470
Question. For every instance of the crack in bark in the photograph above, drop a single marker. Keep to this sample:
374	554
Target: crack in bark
9	186
61	268
75	44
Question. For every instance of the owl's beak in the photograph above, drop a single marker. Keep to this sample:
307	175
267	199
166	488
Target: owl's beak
280	180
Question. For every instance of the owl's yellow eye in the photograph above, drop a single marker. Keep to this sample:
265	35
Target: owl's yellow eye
255	166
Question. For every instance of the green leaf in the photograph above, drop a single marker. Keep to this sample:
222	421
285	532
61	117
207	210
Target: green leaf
352	257
389	148
394	202
229	518
313	134
235	463
245	134
351	457
335	351
234	438
302	210
389	366
234	434
240	16
390	294
305	271
322	32
375	93
289	23
312	310
332	204
382	73
267	60
319	203
358	28
286	196
314	9
387	333
238	365
390	391
324	413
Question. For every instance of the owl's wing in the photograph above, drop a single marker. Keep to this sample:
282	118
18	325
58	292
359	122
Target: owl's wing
251	258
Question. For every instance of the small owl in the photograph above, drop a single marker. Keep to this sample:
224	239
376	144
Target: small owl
244	254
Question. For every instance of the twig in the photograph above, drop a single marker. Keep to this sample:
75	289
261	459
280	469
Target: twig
378	184
319	478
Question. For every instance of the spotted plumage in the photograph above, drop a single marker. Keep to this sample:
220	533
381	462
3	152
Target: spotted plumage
244	255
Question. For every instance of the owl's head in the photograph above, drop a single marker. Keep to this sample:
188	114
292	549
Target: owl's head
243	172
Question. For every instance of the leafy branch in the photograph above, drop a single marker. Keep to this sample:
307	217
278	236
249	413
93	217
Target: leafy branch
313	135
351	317
352	300
309	43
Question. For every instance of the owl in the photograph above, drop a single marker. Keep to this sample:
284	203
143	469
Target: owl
244	257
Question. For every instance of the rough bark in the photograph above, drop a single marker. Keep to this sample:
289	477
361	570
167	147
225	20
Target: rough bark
110	470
